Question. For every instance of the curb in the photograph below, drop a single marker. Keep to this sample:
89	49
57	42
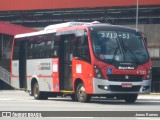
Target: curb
154	96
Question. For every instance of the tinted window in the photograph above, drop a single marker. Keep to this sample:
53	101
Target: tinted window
46	46
119	46
16	50
82	45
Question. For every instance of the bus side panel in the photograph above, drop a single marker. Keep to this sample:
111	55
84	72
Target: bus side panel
15	74
41	69
55	69
84	71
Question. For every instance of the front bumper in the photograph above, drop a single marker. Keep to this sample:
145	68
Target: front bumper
102	86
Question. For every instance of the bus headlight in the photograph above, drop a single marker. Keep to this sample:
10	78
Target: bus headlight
98	73
149	75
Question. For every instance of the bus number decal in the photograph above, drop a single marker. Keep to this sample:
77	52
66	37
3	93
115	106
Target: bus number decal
141	72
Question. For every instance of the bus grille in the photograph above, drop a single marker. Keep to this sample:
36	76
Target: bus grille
121	89
122	78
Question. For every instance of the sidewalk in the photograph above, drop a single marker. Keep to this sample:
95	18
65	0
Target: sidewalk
155	96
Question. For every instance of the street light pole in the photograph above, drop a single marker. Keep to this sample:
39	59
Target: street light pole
137	14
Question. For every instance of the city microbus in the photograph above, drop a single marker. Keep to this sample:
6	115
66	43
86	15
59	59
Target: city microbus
81	60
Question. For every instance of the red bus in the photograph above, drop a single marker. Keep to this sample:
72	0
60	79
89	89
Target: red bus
82	60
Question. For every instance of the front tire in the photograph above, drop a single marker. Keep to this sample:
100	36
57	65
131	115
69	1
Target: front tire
37	94
131	98
81	94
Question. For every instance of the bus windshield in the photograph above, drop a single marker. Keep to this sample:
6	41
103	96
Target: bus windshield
119	46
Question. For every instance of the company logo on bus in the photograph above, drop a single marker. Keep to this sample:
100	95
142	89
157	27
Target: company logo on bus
127	77
126	68
44	66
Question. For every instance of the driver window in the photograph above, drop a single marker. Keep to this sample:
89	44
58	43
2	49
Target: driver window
108	46
82	45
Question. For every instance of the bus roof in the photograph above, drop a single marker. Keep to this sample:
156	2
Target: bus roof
53	28
33	34
63	25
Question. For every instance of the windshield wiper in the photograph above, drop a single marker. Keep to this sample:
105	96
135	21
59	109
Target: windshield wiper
136	59
114	54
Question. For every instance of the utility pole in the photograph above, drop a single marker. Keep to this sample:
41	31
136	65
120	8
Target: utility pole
137	14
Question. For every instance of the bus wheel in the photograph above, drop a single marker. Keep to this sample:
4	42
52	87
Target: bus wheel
131	98
81	94
37	94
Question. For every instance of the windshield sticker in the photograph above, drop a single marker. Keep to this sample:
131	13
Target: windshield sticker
55	68
102	56
78	68
109	71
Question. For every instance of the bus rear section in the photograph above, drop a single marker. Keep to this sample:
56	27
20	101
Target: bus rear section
82	60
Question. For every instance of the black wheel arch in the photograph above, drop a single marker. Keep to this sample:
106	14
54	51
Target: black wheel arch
77	81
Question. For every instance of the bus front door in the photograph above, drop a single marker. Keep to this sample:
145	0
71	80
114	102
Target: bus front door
22	64
65	63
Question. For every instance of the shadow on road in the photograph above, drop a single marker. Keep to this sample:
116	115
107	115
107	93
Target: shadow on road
104	101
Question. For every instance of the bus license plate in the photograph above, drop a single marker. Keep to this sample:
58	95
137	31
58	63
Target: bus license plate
126	85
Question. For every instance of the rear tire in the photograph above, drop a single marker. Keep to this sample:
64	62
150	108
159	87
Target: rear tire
81	94
131	98
37	94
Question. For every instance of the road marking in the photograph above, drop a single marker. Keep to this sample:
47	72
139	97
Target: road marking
2	99
72	117
145	118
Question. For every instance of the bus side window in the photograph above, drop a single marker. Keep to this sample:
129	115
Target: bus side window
33	50
73	45
47	46
16	50
40	50
29	50
55	44
48	49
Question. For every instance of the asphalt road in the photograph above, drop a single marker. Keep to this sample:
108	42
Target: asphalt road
20	102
